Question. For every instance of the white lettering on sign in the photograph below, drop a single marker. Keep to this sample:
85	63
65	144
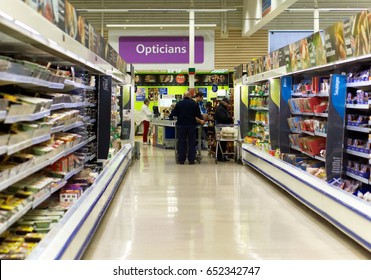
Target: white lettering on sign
155	49
337	86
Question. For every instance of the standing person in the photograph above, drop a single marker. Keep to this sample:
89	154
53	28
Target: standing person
188	115
147	117
222	116
198	98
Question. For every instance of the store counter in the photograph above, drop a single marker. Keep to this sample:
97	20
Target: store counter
164	133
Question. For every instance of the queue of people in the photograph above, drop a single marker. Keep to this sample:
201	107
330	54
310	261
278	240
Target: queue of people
189	114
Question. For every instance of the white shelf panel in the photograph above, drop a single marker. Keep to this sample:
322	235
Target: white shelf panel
73	105
21	118
28	143
302	113
71	85
325	115
3	115
359	84
56	106
297	131
26	81
258	95
345	211
320	134
359	154
40	200
3	150
57	129
89	158
260	123
358	178
61	185
72	126
358	128
259	108
308	154
308	132
358	106
16	217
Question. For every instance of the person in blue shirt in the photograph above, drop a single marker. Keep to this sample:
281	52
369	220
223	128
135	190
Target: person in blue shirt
188	116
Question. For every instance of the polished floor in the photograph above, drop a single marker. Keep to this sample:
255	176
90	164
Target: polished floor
210	211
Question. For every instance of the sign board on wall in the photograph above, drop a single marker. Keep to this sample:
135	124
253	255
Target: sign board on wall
204	63
159	49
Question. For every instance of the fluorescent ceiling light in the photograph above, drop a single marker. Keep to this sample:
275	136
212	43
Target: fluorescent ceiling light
327	9
212	25
154	10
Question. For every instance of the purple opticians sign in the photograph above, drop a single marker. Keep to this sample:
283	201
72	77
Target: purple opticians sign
160	49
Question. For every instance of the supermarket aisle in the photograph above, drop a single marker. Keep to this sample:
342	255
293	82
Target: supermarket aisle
225	211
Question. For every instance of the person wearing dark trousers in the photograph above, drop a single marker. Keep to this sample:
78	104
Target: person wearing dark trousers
188	115
147	116
222	116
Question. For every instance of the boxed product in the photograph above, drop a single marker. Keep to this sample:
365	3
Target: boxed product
312	144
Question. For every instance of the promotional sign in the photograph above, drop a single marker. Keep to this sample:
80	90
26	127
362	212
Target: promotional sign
160	49
336	124
304	54
244	110
284	114
317	53
360	33
104	102
140	94
214	88
274	111
348	37
334	43
127	115
162	91
203	91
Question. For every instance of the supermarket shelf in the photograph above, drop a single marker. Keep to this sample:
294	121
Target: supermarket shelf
3	150
89	158
66	128
302	113
25	144
345	211
73	105
58	106
259	108
27	81
15	217
358	178
359	84
61	185
308	154
71	85
308	132
358	106
295	131
258	95
320	134
32	117
260	123
68	175
10	181
358	128
359	154
40	200
325	115
75	229
3	115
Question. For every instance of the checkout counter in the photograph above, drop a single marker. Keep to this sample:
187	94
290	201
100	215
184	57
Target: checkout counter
164	133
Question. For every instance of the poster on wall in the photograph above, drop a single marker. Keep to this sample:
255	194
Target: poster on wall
153	94
163	91
140	94
348	36
304	54
316	48
360	26
211	79
334	42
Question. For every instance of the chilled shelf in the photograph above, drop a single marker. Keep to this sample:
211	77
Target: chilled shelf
70	85
66	127
10	181
259	123
32	117
27	143
27	81
259	108
320	134
308	132
15	217
308	154
2	115
358	106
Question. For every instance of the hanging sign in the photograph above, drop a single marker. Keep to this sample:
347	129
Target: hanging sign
214	88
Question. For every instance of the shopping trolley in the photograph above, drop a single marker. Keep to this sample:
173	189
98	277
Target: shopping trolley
198	144
227	133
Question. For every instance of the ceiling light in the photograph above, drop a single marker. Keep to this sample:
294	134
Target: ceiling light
327	9
154	10
157	25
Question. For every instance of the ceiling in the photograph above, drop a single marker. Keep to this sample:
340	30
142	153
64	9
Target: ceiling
288	20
